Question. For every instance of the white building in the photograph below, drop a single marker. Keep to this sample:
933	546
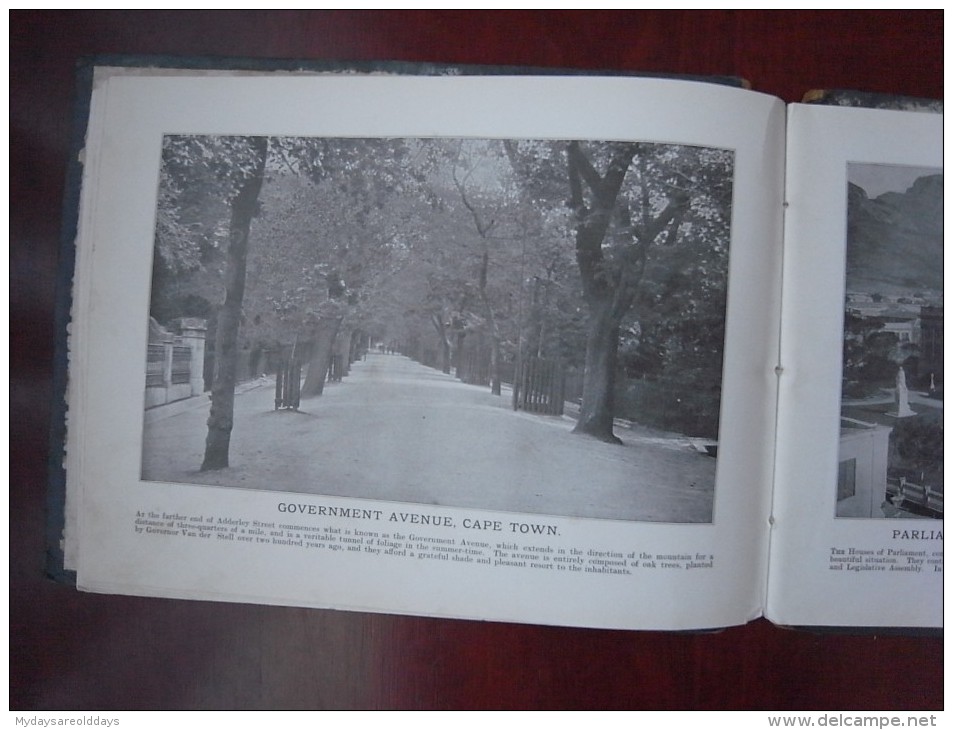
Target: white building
862	469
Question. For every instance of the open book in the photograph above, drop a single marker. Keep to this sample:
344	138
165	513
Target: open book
588	351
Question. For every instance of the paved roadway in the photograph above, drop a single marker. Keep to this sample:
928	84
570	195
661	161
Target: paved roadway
396	430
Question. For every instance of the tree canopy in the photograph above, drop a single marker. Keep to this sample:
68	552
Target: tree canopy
544	248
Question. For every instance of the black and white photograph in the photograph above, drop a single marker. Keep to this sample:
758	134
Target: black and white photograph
891	436
521	325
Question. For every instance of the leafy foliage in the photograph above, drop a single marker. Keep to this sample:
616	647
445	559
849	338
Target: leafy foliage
917	448
443	242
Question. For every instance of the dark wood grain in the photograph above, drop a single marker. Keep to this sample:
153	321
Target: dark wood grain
77	651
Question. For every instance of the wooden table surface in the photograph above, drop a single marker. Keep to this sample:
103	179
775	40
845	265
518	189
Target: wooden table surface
78	651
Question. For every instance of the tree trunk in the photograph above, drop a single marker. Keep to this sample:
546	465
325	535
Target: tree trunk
446	346
324	336
342	349
496	379
460	367
446	355
358	346
244	205
598	394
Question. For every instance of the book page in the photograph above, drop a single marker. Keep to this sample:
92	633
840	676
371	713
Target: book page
338	341
858	528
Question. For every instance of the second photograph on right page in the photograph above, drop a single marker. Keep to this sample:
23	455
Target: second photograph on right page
857	513
890	461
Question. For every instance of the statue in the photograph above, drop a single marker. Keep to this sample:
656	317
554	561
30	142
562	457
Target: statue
902	397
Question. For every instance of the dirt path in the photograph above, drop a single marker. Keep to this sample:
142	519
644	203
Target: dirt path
395	430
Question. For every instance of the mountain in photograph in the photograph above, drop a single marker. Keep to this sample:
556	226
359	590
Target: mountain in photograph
896	239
